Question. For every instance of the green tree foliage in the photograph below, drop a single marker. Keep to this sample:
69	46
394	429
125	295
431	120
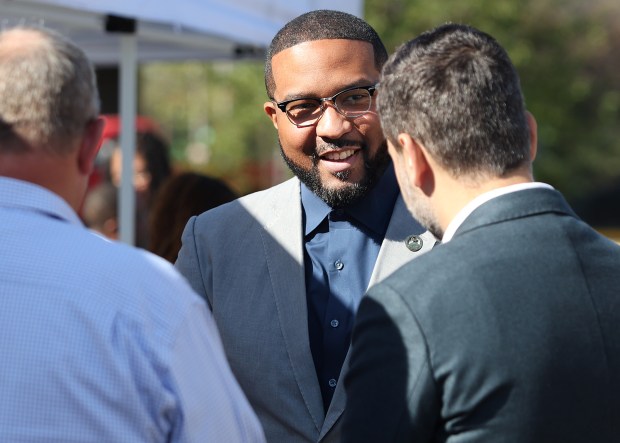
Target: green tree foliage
214	115
567	53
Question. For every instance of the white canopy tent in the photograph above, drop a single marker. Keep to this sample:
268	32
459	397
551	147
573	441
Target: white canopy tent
167	30
125	32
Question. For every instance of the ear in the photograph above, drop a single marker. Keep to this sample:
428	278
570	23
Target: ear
531	121
272	110
415	160
89	145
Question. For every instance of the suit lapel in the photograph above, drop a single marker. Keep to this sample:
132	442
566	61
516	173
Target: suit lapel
403	238
283	243
282	238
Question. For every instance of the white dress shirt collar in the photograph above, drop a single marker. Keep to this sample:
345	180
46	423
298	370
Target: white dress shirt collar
483	198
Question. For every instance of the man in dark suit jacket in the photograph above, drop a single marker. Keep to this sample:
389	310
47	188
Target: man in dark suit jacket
512	338
283	269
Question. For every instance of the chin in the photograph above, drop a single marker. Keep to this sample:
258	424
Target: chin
339	190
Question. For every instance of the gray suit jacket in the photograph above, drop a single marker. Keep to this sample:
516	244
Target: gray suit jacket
510	332
246	259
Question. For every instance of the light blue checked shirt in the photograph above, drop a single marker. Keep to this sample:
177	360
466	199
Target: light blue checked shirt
101	342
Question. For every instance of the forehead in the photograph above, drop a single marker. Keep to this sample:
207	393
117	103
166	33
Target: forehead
323	67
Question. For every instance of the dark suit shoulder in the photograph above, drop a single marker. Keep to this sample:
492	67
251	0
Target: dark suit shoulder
519	314
243	213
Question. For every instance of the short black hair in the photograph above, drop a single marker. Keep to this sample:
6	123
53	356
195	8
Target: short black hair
322	24
455	90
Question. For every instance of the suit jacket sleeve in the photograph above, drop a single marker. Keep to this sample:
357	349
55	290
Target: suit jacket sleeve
188	262
390	375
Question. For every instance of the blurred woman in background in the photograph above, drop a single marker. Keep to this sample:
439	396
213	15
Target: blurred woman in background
179	198
152	167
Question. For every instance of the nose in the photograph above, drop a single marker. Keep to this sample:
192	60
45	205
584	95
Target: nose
332	124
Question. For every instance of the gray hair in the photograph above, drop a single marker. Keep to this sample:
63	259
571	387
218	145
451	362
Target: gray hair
320	25
455	90
48	91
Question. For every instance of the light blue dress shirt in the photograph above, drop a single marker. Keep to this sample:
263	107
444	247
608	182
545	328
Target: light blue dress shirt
341	248
102	342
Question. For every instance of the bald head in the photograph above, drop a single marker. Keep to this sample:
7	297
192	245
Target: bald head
47	91
49	112
19	40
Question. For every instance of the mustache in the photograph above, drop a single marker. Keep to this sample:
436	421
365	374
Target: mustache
332	145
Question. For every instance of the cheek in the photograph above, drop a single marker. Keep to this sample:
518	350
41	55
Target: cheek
370	128
297	142
115	170
401	174
394	152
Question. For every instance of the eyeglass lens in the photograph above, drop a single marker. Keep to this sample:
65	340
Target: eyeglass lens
349	103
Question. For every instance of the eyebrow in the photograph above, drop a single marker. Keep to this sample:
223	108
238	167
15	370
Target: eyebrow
299	96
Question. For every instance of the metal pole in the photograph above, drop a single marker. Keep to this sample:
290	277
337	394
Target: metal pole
128	110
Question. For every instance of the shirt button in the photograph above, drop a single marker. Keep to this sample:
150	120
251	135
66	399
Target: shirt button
338	264
332	383
334	323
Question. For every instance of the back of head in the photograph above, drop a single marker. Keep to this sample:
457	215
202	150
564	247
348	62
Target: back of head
322	25
455	90
48	91
100	210
179	198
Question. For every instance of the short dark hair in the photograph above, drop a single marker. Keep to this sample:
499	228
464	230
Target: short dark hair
456	91
156	153
180	197
320	25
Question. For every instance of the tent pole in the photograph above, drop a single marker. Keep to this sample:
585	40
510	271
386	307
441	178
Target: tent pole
128	110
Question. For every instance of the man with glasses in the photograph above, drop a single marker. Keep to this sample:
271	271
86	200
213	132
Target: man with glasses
284	270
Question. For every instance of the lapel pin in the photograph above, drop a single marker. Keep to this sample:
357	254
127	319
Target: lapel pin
414	243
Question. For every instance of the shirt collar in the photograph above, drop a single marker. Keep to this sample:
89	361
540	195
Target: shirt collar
480	200
28	196
374	210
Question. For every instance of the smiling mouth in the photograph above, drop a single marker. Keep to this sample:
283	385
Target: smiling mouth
338	155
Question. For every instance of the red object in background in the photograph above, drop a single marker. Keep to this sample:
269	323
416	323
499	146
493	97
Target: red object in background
112	127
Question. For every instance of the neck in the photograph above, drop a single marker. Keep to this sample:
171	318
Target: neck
55	173
452	194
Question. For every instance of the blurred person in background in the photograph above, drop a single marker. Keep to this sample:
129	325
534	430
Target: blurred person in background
517	337
180	197
100	341
100	210
284	269
152	166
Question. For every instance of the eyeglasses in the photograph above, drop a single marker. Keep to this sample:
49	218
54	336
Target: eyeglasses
351	102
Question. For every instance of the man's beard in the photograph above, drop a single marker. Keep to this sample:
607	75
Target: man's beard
421	209
352	192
